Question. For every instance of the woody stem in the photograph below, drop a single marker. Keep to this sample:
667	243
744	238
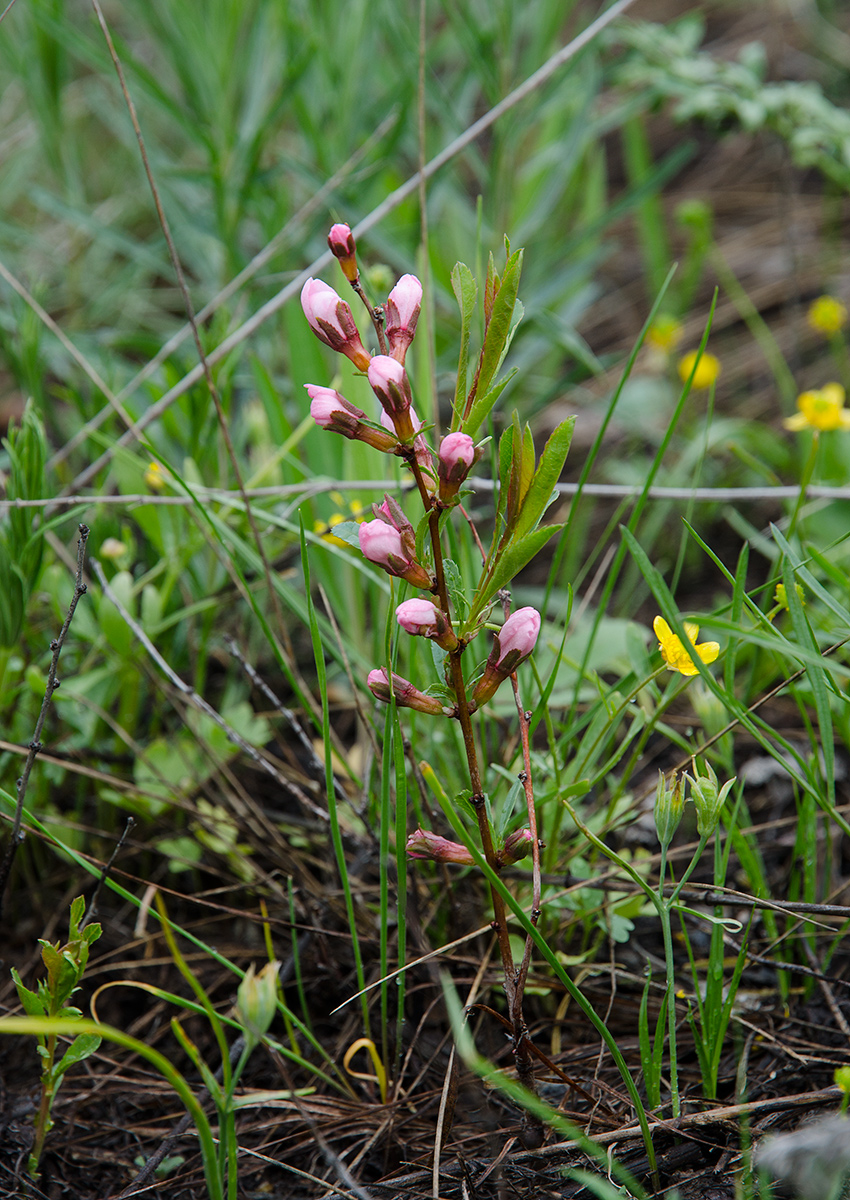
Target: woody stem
465	719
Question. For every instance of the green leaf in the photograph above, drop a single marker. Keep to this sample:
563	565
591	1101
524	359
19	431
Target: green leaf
466	291
500	323
548	472
33	1005
78	908
347	531
516	555
483	405
526	468
82	1047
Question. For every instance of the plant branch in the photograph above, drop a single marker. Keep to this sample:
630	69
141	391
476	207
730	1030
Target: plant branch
16	836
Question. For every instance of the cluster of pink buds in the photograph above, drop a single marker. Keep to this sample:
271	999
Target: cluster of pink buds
389	540
331	320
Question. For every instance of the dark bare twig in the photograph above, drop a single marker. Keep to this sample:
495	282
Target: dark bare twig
16	837
91	911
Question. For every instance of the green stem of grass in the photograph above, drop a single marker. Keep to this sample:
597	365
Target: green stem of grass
805	480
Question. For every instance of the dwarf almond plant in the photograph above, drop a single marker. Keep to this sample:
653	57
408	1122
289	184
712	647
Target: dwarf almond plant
450	611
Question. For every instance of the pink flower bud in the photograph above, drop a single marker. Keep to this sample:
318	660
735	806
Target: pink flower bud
384	545
517	638
331	320
511	646
424	844
390	511
328	408
381	543
457	456
417	617
517	846
333	412
403	305
384	686
423	618
341	242
389	382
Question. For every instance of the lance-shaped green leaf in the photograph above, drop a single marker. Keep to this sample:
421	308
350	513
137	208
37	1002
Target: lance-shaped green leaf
491	287
516	470
500	327
33	1005
485	404
509	562
82	1047
466	292
520	472
537	495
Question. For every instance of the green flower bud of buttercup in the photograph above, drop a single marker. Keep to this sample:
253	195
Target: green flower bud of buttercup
708	800
669	803
256	1000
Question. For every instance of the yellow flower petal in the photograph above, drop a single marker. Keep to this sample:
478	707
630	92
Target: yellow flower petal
796	423
679	657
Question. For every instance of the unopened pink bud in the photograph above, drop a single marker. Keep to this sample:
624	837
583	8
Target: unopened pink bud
384	545
328	408
380	543
389	382
517	639
385	686
341	242
511	646
423	618
517	846
457	456
424	844
334	413
331	320
403	306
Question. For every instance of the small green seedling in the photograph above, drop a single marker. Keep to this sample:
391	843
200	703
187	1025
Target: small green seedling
65	968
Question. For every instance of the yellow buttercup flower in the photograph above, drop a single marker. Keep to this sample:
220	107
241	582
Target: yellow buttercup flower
822	410
678	657
154	477
664	333
707	369
827	315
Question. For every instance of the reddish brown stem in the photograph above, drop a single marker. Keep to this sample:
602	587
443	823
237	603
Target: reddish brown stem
465	720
